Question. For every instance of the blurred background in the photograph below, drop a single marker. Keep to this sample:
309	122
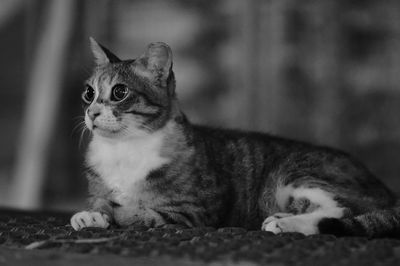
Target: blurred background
325	71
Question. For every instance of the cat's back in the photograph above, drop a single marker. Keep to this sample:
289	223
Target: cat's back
241	155
261	157
234	140
257	150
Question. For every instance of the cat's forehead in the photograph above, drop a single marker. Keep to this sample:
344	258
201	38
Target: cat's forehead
105	74
124	72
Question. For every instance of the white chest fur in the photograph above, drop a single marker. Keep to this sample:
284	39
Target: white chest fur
123	164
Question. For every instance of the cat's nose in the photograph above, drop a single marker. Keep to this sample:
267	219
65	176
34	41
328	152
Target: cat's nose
93	114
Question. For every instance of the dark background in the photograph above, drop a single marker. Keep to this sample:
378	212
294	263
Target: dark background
322	71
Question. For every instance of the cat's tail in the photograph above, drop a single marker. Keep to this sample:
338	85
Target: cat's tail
381	223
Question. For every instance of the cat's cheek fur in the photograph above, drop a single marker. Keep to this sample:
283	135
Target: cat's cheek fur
133	127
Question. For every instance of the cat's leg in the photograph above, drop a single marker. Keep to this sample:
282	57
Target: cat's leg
304	208
98	215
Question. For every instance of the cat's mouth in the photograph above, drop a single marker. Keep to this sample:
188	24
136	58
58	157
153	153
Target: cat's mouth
105	131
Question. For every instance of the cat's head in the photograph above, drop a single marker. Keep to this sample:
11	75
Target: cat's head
129	98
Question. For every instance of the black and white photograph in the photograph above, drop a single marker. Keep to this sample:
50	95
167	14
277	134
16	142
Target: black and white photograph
199	133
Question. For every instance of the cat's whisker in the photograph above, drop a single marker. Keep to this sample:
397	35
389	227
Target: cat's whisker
80	117
85	129
81	138
78	124
78	127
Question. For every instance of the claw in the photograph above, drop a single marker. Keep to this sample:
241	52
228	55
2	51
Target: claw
89	219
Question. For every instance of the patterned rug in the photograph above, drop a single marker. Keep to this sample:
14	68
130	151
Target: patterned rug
48	239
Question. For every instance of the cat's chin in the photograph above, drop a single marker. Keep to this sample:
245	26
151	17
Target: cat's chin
106	133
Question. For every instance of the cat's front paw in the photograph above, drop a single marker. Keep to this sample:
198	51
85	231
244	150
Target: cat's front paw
272	224
273	227
283	223
275	216
89	219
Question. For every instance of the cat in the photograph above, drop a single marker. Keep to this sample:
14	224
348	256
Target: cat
148	165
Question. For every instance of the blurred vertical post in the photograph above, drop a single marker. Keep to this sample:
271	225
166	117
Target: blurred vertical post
263	54
271	60
249	68
44	91
327	73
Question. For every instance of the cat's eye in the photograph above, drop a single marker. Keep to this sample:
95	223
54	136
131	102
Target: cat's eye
119	92
88	94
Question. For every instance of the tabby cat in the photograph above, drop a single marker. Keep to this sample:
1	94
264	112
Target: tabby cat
148	165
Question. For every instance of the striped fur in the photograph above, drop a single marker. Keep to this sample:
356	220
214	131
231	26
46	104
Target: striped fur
147	164
379	223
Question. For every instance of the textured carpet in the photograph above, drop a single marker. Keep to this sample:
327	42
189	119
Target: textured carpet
48	238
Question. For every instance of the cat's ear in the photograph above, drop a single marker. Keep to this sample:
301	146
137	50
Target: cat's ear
158	61
101	54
